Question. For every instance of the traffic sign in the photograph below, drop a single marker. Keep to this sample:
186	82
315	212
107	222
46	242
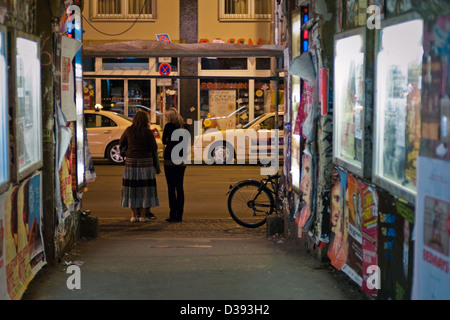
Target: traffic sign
164	37
164	69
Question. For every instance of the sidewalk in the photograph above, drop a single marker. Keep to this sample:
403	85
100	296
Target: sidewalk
193	260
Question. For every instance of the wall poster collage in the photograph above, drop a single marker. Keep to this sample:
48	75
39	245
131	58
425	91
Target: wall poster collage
21	242
354	221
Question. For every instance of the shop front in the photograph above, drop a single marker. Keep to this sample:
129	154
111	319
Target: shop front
231	90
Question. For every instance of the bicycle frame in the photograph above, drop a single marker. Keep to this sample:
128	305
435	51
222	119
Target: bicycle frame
268	204
263	181
274	183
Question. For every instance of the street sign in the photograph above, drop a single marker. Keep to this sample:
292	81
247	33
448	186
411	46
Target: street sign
163	82
164	37
164	69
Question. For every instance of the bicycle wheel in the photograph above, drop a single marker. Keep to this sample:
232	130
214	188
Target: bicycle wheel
249	203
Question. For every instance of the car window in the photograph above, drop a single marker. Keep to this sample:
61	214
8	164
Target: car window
98	121
269	123
90	120
280	122
108	122
252	122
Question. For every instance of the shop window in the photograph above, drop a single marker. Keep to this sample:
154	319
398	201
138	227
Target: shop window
224	63
138	96
166	97
113	95
224	103
397	106
262	97
245	10
124	9
349	101
125	64
89	93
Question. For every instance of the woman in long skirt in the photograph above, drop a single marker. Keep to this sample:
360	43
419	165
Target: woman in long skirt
139	181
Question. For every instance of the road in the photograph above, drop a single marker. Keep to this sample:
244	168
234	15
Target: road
206	257
205	191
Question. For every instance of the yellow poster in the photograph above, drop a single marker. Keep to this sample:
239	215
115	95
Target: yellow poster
23	241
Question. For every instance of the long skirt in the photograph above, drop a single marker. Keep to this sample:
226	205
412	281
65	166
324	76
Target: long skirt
139	184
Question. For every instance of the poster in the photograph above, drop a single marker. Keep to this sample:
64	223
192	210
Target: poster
431	255
369	231
69	47
353	220
306	190
222	103
395	247
338	250
302	126
352	209
24	247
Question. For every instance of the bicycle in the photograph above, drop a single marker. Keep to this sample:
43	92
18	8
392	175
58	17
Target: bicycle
251	201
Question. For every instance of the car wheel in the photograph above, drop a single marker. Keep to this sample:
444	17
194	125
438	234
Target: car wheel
113	153
222	153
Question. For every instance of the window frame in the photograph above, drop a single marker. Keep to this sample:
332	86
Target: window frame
380	180
95	16
338	159
250	16
20	171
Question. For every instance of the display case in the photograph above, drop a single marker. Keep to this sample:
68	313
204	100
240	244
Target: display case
398	73
80	129
27	111
4	128
349	100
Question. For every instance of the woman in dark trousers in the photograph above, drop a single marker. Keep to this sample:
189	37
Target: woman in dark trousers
174	173
139	181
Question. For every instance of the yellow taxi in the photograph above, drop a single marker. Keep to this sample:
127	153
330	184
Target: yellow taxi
104	129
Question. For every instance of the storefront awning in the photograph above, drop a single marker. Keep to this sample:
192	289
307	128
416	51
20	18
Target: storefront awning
141	49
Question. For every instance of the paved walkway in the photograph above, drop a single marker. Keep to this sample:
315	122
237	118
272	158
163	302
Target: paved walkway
192	260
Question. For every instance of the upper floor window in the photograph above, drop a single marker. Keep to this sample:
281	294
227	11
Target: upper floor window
230	10
124	9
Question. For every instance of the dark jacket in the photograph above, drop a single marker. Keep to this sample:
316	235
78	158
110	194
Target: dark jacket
143	146
169	128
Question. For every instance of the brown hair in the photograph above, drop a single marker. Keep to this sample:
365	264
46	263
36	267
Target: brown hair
140	123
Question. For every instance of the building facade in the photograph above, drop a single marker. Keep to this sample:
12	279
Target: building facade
190	84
